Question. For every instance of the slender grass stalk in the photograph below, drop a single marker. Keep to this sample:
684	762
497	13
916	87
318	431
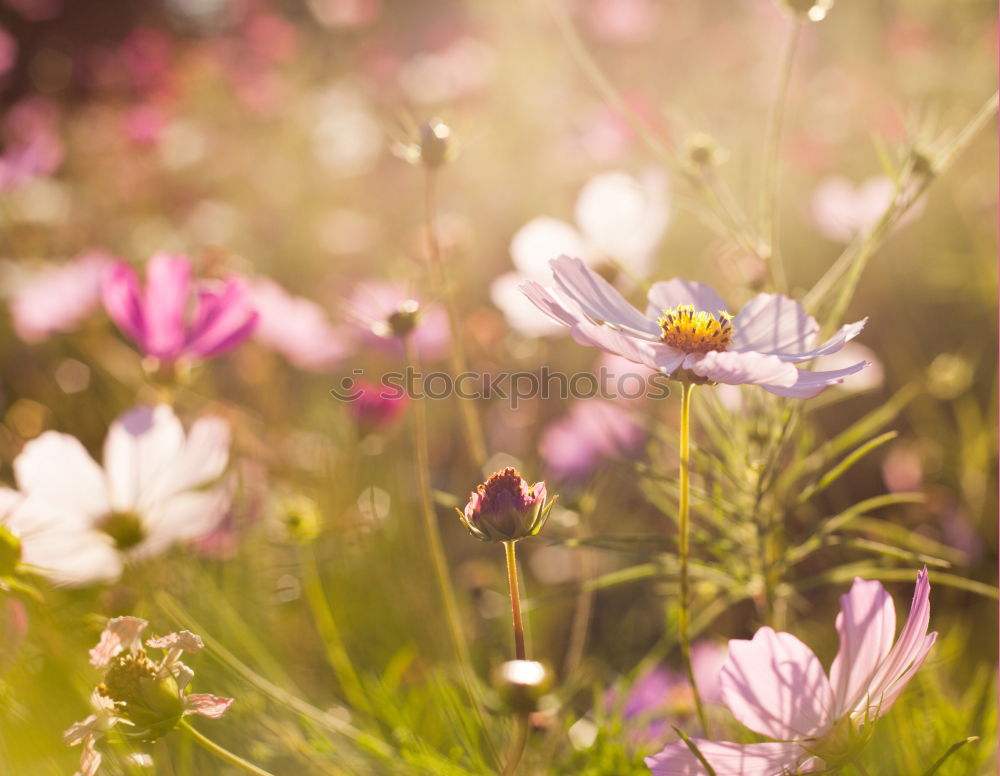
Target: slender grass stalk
516	746
223	754
515	600
435	549
683	530
471	427
772	145
333	644
859	768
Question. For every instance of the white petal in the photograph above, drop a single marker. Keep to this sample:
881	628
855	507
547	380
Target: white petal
56	468
677	291
189	515
521	313
539	241
141	444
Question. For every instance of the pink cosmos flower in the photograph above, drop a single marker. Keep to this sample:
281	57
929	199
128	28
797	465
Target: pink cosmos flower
842	211
79	522
506	508
32	148
298	328
687	332
382	311
376	407
776	686
59	297
146	697
594	430
174	317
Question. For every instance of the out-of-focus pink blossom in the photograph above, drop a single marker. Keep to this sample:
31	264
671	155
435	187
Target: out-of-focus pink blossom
594	430
902	469
374	307
298	328
175	317
58	298
776	686
625	22
376	407
842	211
32	146
462	68
8	52
867	380
345	13
36	10
145	122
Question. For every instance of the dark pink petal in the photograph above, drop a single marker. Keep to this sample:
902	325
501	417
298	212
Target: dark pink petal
906	656
776	686
225	318
123	301
809	384
742	368
599	299
772	323
212	706
168	288
670	293
867	625
727	759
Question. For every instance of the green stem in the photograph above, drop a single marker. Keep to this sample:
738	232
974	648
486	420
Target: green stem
471	427
223	754
517	743
515	600
772	145
436	551
333	644
683	520
859	768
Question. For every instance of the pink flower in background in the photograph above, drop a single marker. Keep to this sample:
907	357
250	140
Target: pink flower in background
339	14
624	22
175	317
619	222
30	141
776	686
842	211
383	311
868	379
686	329
36	10
8	52
147	698
79	522
593	431
58	298
376	407
297	328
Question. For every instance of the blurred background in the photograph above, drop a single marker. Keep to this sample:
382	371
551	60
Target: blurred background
275	139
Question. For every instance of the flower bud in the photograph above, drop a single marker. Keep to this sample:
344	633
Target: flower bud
10	552
376	407
701	151
521	684
505	508
434	137
149	699
300	519
404	320
815	10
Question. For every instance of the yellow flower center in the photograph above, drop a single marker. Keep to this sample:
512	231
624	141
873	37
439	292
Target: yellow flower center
696	331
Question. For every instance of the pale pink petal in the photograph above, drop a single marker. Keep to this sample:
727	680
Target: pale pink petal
666	294
809	384
225	318
78	731
183	640
521	313
90	758
707	660
866	624
541	240
776	686
57	469
906	656
139	449
727	759
121	633
123	301
640	351
872	377
182	674
212	706
599	299
742	368
168	285
772	323
58	298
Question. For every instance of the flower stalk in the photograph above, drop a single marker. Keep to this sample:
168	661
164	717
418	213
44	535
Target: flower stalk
222	753
684	615
515	600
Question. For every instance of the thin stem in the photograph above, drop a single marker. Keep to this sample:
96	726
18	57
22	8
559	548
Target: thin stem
859	768
436	551
683	520
517	743
515	600
772	145
223	754
333	644
471	427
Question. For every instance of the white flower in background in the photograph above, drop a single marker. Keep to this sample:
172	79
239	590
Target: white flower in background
347	137
619	222
80	523
842	211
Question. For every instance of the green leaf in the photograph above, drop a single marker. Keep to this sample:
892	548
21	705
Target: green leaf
951	750
831	476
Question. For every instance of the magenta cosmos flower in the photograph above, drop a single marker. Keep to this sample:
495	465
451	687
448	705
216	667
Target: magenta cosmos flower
174	317
686	331
775	686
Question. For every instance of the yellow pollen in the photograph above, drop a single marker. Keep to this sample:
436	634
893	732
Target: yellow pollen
694	331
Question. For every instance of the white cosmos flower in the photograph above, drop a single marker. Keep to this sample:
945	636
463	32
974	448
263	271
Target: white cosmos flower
620	220
79	522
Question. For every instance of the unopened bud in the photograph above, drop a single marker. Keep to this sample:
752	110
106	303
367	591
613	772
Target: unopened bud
151	701
434	143
701	150
505	508
404	320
